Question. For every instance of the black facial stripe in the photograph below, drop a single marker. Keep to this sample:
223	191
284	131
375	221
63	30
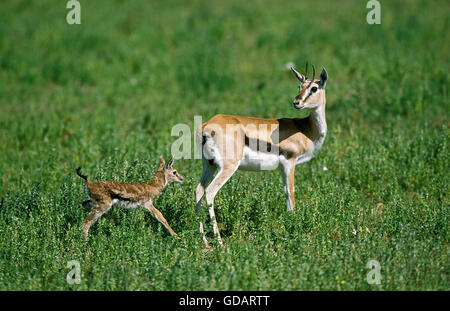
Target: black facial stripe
310	93
308	96
301	91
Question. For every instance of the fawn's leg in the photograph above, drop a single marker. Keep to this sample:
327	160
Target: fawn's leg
152	209
99	208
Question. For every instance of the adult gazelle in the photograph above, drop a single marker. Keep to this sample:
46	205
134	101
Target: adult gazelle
230	143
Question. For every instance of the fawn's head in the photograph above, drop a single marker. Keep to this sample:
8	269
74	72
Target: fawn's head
311	92
170	173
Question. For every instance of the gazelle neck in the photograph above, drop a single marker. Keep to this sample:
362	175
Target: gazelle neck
318	123
158	181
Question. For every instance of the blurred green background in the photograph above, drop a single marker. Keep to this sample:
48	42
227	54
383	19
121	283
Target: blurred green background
105	95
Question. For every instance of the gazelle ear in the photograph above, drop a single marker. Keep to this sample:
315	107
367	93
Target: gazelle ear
170	163
323	78
298	75
161	162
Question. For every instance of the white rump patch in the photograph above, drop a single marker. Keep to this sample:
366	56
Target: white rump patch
210	150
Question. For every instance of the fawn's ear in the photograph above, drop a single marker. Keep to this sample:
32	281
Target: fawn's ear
170	163
161	162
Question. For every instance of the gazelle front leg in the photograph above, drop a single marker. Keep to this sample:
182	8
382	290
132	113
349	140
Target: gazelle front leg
221	178
152	209
288	169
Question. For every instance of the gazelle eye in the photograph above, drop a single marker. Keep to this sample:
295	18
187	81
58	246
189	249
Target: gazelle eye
174	172
313	89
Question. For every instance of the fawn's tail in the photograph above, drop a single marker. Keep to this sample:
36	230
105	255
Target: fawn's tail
81	175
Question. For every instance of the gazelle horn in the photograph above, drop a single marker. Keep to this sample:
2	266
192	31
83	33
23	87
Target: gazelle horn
314	72
306	71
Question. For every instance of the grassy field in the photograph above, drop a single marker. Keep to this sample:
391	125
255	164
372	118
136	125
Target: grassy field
104	95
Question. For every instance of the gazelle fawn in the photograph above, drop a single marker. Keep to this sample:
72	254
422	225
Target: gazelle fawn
105	194
230	143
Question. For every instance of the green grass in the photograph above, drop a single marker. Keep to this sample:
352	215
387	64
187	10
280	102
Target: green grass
105	94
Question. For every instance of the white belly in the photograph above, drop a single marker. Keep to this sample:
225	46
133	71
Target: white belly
126	204
258	161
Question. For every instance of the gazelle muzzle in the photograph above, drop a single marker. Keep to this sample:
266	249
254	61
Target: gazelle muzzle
298	103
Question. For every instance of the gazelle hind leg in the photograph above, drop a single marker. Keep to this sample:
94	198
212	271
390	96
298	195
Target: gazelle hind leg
211	191
99	208
207	175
